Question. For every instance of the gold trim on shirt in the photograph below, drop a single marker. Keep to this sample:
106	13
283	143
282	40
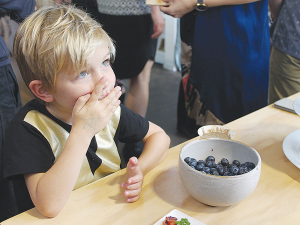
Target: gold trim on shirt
106	146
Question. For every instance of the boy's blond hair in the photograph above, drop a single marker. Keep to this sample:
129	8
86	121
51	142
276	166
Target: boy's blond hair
55	38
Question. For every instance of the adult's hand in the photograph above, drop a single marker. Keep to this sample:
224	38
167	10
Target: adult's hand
178	8
158	21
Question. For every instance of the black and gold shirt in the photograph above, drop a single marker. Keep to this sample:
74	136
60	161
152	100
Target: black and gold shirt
35	139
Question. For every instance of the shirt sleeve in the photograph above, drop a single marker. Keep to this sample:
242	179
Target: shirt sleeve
25	150
133	127
18	9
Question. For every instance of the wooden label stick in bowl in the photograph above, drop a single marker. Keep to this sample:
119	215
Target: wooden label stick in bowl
155	2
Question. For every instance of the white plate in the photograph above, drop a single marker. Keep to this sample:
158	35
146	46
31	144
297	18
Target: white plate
291	147
296	105
179	215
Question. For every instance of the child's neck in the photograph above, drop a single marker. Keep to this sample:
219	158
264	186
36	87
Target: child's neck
64	116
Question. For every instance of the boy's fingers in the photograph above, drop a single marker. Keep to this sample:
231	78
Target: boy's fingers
97	92
133	186
112	100
133	199
135	179
132	193
81	101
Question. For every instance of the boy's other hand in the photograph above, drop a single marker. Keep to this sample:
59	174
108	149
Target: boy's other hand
92	112
134	180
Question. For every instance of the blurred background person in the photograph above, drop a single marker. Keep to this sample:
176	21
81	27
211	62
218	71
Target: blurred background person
191	113
10	101
230	54
135	27
284	77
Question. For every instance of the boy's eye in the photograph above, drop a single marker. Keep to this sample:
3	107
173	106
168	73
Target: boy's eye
106	62
82	74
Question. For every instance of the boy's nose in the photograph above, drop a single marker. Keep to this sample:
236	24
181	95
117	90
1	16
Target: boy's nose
97	76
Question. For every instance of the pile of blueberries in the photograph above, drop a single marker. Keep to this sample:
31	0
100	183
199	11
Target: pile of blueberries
223	168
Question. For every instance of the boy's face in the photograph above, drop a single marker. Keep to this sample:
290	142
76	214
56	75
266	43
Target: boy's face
69	87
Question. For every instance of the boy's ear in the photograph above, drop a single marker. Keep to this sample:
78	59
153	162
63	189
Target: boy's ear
39	91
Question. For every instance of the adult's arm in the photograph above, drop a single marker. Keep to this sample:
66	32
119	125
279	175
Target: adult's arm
275	7
158	21
178	8
18	9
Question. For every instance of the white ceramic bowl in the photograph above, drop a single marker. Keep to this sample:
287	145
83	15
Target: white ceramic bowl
219	190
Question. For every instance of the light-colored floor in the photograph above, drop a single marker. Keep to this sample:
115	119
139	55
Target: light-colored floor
163	97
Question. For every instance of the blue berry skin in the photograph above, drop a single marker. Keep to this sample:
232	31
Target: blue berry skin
250	165
199	167
221	170
213	169
215	172
200	161
210	158
209	164
236	162
214	165
187	160
243	170
226	173
225	162
193	163
206	170
234	170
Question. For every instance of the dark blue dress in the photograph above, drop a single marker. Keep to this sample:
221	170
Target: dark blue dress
230	59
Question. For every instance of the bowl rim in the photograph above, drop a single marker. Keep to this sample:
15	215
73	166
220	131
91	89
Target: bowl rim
217	139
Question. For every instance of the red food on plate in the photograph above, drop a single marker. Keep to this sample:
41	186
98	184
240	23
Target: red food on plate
170	220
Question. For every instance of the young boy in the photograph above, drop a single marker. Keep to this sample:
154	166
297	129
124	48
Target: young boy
71	139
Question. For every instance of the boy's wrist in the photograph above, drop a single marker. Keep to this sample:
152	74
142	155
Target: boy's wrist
82	134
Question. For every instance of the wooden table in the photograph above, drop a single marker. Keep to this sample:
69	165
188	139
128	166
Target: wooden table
276	199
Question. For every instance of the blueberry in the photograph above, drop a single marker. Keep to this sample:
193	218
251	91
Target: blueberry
234	170
199	167
236	162
215	172
209	164
187	160
226	173
221	170
243	170
214	165
224	162
200	161
210	158
193	163
206	170
213	169
250	165
225	169
202	164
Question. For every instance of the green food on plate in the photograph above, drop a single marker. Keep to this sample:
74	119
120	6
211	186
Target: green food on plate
183	221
